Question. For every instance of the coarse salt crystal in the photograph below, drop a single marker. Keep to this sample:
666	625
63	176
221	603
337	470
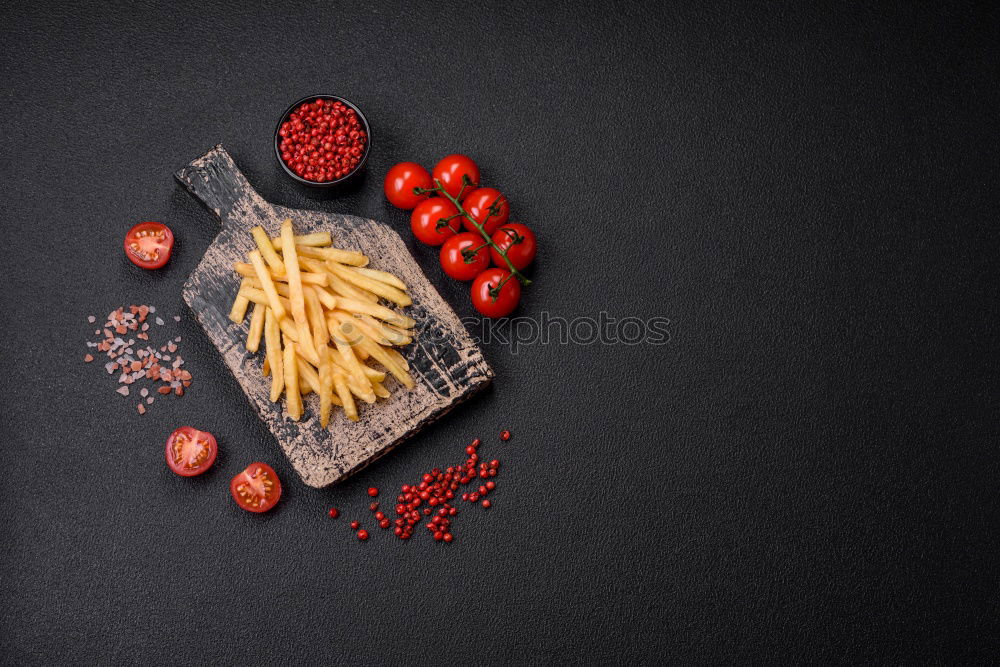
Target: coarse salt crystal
122	390
152	309
177	318
91	319
149	400
144	392
177	340
145	326
141	408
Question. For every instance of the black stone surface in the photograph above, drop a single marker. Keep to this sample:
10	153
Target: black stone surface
807	472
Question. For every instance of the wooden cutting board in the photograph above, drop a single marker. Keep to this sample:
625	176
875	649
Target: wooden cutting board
446	364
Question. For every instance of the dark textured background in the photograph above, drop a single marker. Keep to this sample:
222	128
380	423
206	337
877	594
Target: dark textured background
807	472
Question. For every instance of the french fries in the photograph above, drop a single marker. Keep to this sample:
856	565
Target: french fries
320	313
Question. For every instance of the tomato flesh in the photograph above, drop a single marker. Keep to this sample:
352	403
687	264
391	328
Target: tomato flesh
191	452
256	489
149	244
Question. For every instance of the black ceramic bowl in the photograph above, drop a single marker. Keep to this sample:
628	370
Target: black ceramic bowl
322	184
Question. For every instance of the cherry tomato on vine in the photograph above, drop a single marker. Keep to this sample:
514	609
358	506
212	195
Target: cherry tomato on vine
478	203
492	300
148	244
454	258
191	452
429	221
257	488
400	181
518	241
450	170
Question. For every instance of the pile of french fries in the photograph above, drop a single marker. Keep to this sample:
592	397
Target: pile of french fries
317	308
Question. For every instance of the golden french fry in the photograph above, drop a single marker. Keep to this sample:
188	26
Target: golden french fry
375	310
380	391
350	257
381	276
362	326
293	400
265	368
308	277
345	289
314	311
379	353
391	335
375	286
288	329
256	327
313	239
304	340
353	366
265	248
264	276
337	284
328	300
304	388
307	374
272	338
340	383
292	271
239	309
256	295
400	359
325	385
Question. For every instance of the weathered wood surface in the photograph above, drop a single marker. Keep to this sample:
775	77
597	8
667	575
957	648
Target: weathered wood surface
446	364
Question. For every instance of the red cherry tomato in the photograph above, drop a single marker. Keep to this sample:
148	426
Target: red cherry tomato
148	244
458	260
450	170
492	301
401	180
428	221
257	488
518	241
191	452
478	203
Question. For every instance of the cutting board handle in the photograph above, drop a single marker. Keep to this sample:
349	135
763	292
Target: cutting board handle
215	179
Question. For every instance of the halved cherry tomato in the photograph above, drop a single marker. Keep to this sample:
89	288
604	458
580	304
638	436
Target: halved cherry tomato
400	182
257	488
494	301
450	170
518	241
458	259
191	452
148	244
430	221
479	203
